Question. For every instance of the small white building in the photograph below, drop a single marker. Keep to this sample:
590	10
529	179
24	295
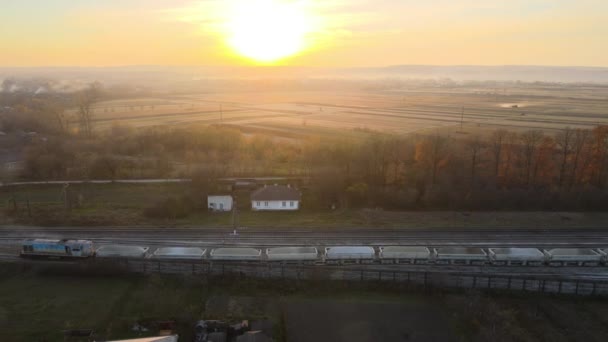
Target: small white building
276	197
219	203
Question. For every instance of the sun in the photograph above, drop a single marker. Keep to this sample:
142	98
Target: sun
267	31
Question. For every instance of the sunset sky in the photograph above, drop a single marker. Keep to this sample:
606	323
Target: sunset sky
331	32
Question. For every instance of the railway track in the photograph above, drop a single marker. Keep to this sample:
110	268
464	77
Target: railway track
532	238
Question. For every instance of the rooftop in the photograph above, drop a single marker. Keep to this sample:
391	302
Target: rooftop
237	251
349	250
460	250
289	250
121	250
572	251
276	193
172	338
405	249
532	252
179	252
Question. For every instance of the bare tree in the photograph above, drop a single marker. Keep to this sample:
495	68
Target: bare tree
498	140
579	143
87	99
564	140
509	148
432	151
530	140
474	148
599	163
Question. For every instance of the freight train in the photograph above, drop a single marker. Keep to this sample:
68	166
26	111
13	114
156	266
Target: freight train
334	255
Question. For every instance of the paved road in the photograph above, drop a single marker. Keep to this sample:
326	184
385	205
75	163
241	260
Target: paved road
521	237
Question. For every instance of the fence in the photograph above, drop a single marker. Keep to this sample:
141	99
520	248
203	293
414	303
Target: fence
423	278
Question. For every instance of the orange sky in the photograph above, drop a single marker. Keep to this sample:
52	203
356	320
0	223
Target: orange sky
345	33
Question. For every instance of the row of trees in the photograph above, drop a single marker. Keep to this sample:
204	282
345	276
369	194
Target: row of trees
382	169
379	169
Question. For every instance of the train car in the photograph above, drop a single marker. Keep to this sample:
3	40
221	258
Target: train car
573	257
405	255
44	248
604	253
516	256
236	254
121	251
292	254
461	256
349	254
179	253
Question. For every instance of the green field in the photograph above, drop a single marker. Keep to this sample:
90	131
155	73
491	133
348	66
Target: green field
124	204
38	304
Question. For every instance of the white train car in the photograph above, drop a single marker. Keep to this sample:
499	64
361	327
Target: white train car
121	251
604	253
179	253
404	254
236	254
461	255
57	248
516	256
573	257
349	254
292	254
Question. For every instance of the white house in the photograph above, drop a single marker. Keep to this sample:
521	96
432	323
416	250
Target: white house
276	197
219	203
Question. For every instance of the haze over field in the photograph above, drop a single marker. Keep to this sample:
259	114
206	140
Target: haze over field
291	76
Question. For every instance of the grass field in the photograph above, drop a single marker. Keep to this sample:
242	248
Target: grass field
124	204
404	111
37	305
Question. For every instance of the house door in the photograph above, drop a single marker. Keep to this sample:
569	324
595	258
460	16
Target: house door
221	206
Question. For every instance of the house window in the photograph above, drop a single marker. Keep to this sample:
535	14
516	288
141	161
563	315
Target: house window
266	203
284	204
257	204
291	203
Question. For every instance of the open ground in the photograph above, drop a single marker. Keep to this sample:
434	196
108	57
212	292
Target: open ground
119	204
478	108
33	307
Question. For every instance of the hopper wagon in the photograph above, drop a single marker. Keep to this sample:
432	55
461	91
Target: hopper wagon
405	255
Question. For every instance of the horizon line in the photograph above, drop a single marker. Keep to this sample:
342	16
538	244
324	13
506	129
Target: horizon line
296	66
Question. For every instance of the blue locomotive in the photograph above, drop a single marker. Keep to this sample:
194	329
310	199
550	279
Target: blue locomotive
57	248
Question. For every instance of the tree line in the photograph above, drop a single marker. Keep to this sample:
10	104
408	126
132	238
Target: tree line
523	170
533	169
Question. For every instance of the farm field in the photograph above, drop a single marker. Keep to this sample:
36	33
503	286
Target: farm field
33	306
404	111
